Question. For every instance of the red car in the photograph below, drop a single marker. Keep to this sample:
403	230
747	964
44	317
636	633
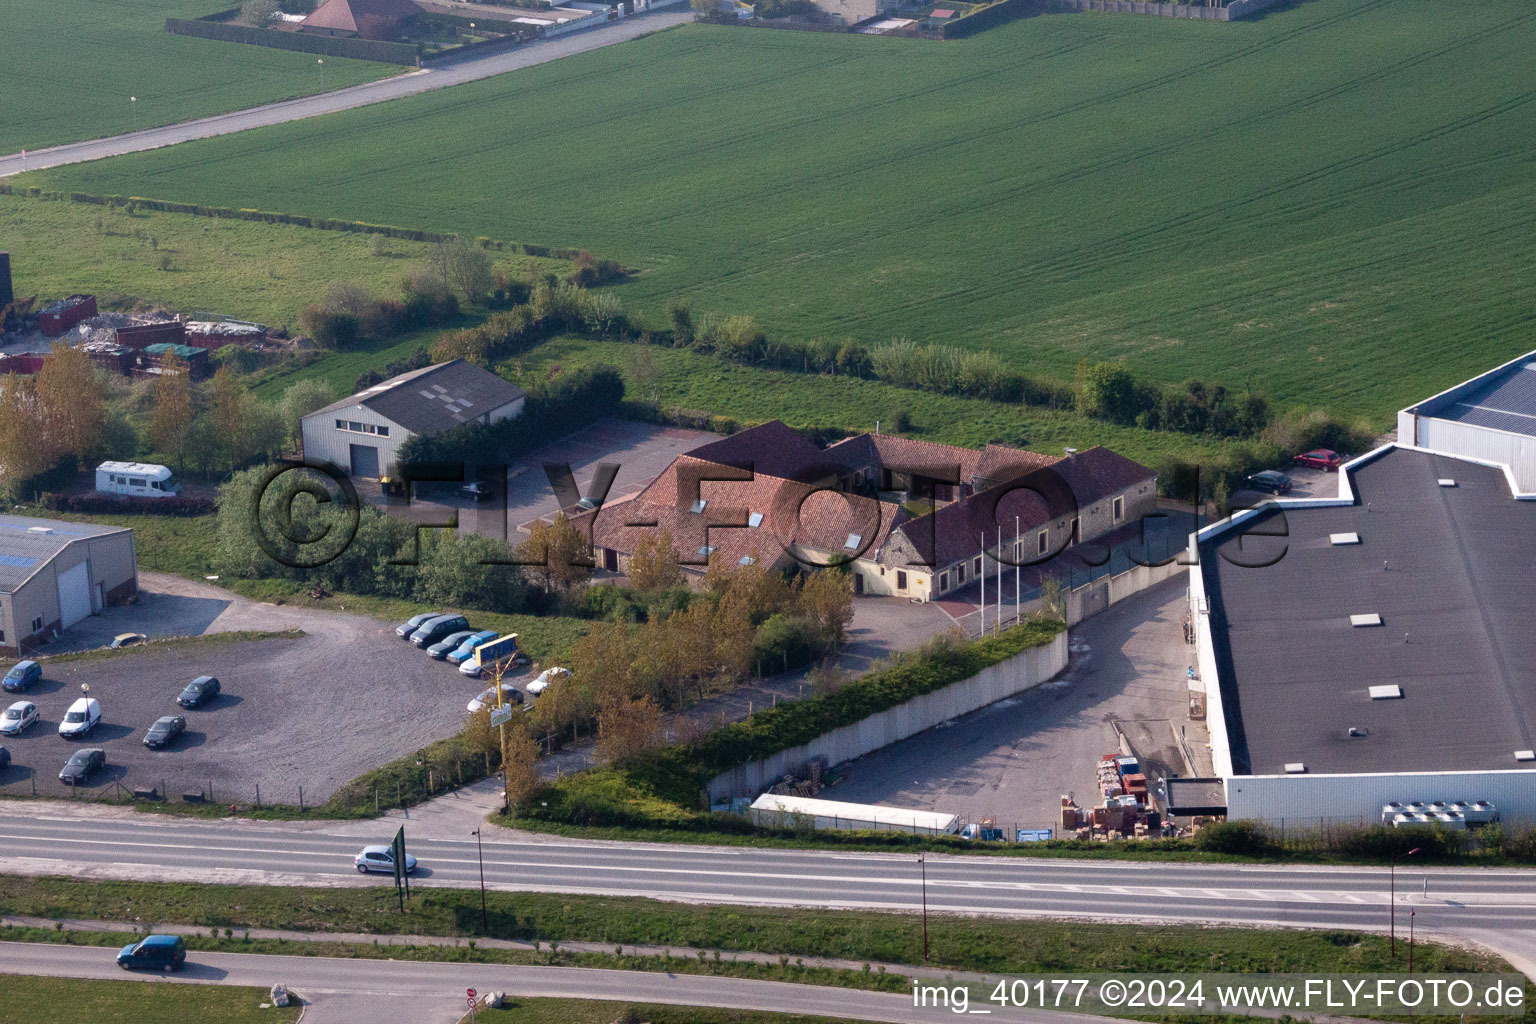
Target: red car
1320	458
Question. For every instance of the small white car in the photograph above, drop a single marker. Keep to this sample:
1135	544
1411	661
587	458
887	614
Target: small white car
509	695
380	858
546	678
83	716
18	717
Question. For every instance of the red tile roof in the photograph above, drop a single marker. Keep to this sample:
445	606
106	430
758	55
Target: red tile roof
359	15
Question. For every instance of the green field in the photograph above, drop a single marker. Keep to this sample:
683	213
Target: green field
29	1000
1333	202
73	66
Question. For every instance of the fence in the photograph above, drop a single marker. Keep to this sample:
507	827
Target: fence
330	46
989	17
1200	12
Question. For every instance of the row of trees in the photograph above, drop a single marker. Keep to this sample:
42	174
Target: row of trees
59	413
1110	391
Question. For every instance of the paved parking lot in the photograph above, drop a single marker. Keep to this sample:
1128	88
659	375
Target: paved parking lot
1014	759
313	711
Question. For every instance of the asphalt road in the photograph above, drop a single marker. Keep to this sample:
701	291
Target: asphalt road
439	76
435	991
1459	901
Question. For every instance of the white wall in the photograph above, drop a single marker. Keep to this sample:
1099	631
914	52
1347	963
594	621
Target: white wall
1310	800
322	441
1517	451
1021	672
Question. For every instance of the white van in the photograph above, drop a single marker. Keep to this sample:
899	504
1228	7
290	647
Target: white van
136	479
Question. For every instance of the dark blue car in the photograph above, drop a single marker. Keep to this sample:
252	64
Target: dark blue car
155	952
22	675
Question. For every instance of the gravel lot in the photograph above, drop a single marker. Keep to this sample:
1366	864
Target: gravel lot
314	711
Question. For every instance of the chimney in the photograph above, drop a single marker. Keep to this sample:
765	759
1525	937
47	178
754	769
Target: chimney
1071	452
5	280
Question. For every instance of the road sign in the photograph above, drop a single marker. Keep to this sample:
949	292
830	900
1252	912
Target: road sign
502	714
470	993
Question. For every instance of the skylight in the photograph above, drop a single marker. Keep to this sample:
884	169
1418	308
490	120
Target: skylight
698	506
1388	692
1337	539
853	541
1365	619
755	519
706	551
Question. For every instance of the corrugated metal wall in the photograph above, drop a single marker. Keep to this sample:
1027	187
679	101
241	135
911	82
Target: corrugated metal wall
323	442
1514	450
1309	800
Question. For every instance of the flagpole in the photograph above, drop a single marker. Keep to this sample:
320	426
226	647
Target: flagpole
1018	569
999	562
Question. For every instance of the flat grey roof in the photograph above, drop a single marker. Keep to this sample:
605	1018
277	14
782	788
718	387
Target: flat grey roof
1505	400
27	543
1451	569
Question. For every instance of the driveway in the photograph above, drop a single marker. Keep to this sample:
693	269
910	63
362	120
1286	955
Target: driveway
1014	759
313	711
439	76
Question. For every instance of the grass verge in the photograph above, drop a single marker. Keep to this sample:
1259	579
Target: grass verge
34	1000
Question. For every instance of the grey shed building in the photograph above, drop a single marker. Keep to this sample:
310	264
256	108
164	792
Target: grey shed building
363	434
53	574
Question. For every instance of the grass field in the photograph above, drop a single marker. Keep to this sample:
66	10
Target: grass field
692	381
244	269
1333	201
81	62
29	1000
590	1011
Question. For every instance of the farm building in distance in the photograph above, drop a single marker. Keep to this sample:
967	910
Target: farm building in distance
53	574
915	519
364	432
367	19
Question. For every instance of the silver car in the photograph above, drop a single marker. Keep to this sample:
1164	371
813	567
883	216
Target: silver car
17	717
380	858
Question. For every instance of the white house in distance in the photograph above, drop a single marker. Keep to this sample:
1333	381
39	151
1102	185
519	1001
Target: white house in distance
363	433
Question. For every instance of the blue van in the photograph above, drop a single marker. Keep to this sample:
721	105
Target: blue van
22	675
155	952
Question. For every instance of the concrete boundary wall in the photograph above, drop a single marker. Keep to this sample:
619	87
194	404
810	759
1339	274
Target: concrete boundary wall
1023	671
1198	12
1090	599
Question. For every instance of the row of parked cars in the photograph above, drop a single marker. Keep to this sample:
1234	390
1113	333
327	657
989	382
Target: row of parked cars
84	715
448	637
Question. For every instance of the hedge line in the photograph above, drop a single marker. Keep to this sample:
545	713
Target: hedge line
275	217
330	46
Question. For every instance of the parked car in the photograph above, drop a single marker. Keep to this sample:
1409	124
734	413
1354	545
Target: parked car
22	675
1270	480
546	678
17	717
1325	459
466	649
82	764
154	952
448	644
412	624
478	491
5	758
198	692
83	716
165	730
433	630
380	858
126	640
509	695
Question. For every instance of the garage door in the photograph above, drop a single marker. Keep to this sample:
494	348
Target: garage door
74	594
365	460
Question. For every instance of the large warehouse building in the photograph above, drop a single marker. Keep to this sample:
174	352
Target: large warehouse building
53	574
1491	417
1374	647
363	433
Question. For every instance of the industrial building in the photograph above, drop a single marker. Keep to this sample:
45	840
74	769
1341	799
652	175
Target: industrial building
53	574
1376	647
1490	417
363	433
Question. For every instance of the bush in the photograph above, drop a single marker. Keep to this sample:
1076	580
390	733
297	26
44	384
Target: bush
331	328
109	504
1379	842
1240	837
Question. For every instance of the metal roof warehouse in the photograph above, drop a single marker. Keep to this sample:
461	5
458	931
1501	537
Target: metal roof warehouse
53	574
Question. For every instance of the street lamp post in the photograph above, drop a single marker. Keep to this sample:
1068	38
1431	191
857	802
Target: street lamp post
1411	915
485	926
922	863
321	61
1392	894
133	105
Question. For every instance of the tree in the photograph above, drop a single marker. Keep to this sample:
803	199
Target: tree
299	401
480	735
22	455
827	597
463	268
556	555
629	729
1108	391
71	401
653	566
257	13
519	764
172	393
227	413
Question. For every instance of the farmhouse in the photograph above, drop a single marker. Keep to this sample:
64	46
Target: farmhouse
913	518
53	574
363	433
368	19
1411	595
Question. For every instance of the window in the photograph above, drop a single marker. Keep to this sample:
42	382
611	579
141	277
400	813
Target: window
1118	508
978	565
1043	542
37	624
706	551
755	520
698	506
355	427
959	575
943	581
2	636
746	560
853	541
